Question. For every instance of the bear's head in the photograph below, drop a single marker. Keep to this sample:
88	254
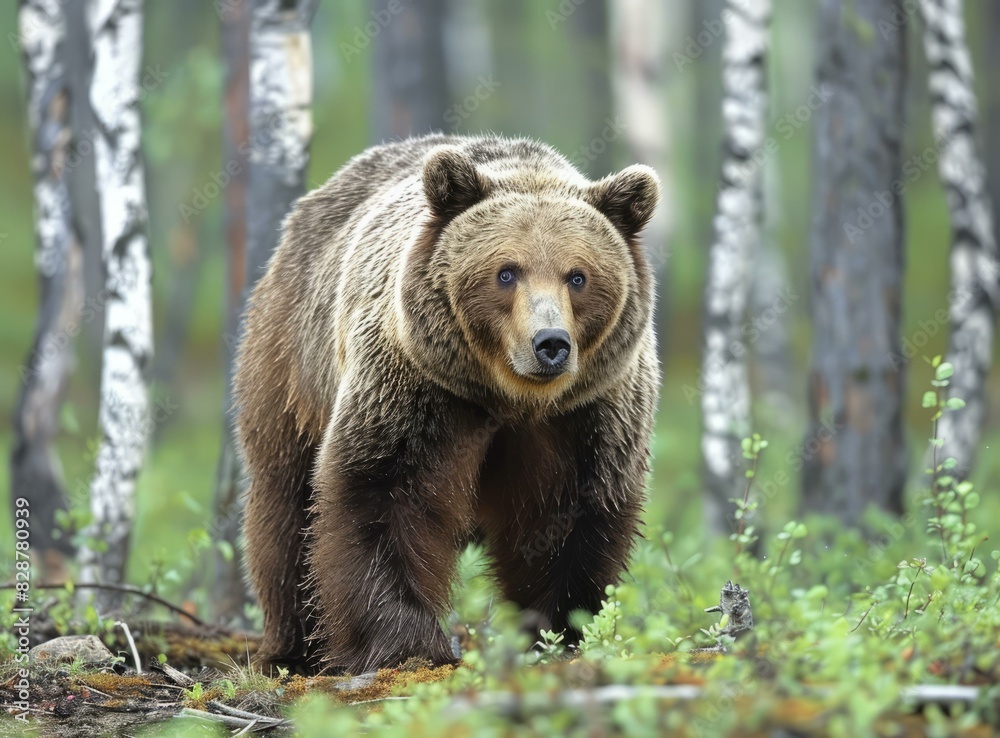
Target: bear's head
529	286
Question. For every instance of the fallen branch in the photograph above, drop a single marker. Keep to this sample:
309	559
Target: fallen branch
125	588
233	721
509	704
179	678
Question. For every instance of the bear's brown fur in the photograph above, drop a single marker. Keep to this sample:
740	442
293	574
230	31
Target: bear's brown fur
453	339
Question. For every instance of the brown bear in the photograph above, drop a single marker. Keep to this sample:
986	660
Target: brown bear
453	341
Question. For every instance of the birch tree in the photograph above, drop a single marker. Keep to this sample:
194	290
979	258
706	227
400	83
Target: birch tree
975	276
725	390
638	59
36	473
410	93
854	451
279	134
115	28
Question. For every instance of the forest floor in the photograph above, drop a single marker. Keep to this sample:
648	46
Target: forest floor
197	680
74	702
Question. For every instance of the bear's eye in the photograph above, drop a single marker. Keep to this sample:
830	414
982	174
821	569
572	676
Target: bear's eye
577	280
506	276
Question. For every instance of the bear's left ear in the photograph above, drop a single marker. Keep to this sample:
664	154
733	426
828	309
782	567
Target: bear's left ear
452	183
628	198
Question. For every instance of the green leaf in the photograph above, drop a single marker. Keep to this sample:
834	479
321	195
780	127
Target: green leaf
944	371
930	399
225	550
949	463
971	500
954	403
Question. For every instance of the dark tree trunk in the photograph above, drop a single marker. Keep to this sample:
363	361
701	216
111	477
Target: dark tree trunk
36	474
589	28
410	94
975	276
991	22
231	589
279	135
725	390
855	453
81	180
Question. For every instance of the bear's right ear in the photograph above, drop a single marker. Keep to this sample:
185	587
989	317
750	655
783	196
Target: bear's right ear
451	183
628	198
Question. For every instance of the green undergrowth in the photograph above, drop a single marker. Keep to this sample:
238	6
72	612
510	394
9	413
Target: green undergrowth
847	621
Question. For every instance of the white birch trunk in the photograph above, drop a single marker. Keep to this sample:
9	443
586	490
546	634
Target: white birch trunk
639	58
280	121
974	269
115	28
725	391
36	473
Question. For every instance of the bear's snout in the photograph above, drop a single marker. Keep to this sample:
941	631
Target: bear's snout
552	347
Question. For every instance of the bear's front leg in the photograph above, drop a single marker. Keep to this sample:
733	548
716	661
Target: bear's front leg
564	509
394	495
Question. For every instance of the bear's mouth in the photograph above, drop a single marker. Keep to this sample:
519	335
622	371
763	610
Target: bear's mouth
547	374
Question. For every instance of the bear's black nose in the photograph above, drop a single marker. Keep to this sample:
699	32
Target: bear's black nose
552	348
